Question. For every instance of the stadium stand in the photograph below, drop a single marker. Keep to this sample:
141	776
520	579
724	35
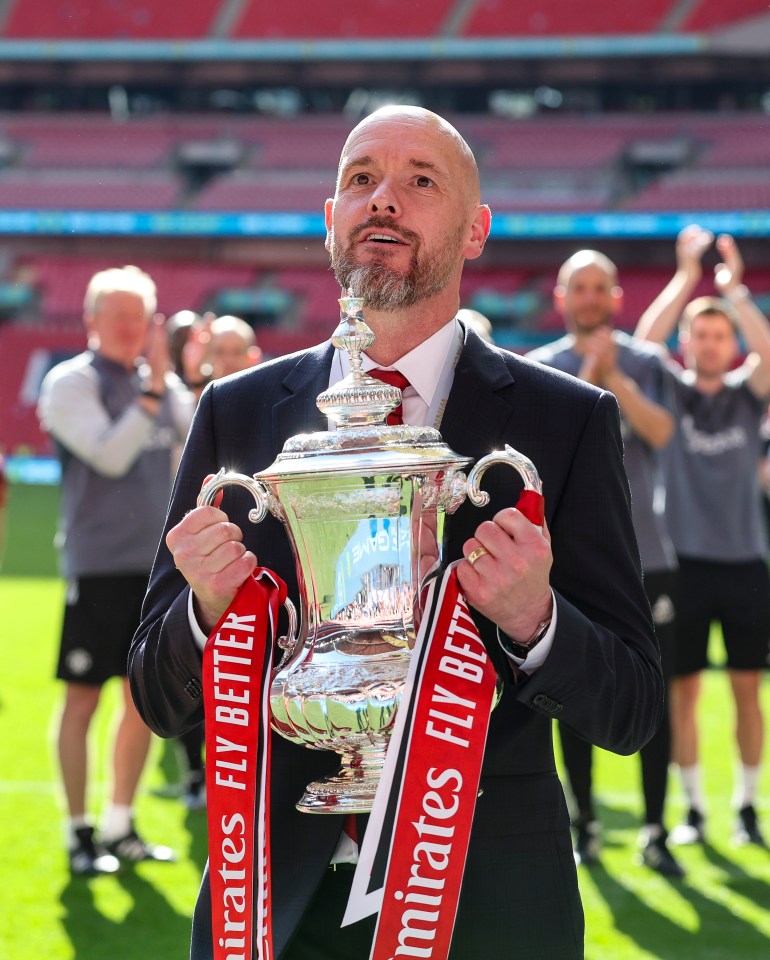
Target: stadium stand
107	190
584	158
61	282
284	145
120	19
550	163
113	146
335	19
26	354
710	14
493	18
297	19
700	190
247	190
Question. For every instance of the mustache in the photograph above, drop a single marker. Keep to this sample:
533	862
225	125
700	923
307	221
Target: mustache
384	223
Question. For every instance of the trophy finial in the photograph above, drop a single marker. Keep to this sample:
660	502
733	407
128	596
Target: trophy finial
359	400
353	334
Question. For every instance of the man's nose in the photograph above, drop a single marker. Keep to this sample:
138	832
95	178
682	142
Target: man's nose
384	199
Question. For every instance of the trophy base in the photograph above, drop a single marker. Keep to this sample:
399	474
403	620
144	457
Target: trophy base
339	795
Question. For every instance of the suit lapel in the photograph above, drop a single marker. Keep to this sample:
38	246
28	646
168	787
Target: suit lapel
475	417
297	411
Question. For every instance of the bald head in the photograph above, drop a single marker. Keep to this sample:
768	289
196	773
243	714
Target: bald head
586	258
452	146
406	214
587	293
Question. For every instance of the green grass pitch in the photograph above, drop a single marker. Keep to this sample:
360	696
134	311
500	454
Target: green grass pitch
721	911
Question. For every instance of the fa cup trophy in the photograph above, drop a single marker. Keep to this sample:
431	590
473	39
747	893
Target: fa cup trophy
365	505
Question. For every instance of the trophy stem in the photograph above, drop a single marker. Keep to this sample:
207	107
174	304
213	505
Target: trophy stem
351	790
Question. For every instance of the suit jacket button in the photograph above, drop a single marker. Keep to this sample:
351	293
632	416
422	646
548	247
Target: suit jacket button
546	703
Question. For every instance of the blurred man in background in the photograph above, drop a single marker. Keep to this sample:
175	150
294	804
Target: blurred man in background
115	420
713	509
588	297
233	346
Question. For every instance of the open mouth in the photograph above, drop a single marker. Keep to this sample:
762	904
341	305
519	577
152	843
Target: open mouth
385	239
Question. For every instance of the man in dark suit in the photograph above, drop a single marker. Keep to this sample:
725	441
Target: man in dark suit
561	610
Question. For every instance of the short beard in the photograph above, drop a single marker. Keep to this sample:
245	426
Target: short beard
384	288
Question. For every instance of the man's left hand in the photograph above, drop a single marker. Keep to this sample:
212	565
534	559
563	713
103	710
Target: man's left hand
509	583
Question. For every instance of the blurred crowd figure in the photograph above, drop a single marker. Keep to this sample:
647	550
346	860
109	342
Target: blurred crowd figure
694	462
477	322
588	297
115	415
3	506
188	340
234	347
714	509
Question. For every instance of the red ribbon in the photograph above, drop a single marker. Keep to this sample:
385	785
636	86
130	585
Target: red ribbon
532	505
439	786
237	662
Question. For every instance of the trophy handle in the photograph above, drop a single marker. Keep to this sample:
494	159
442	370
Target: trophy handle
227	477
513	458
206	497
288	642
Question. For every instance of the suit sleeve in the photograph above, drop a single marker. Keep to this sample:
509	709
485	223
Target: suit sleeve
164	665
602	677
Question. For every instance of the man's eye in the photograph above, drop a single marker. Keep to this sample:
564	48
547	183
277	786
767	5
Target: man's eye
360	179
423	181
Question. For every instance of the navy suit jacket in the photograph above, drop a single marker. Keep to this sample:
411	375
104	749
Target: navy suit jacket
602	677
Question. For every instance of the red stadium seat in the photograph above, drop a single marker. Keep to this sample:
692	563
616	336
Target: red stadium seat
497	18
247	191
704	190
108	190
119	20
298	19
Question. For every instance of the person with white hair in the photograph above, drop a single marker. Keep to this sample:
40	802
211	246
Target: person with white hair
114	418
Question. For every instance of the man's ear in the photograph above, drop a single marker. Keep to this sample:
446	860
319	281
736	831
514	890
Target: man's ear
92	335
480	227
560	299
617	299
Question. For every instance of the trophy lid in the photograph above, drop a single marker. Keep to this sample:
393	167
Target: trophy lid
362	442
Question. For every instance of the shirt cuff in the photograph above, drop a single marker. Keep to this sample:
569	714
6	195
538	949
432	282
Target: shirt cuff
539	653
198	635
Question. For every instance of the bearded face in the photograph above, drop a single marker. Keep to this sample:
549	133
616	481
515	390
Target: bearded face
371	273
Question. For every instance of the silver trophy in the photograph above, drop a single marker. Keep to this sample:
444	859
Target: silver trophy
365	506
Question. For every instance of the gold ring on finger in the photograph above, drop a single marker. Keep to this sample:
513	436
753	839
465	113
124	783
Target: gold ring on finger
474	555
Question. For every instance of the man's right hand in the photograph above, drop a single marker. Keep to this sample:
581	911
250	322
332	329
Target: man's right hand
691	244
209	552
